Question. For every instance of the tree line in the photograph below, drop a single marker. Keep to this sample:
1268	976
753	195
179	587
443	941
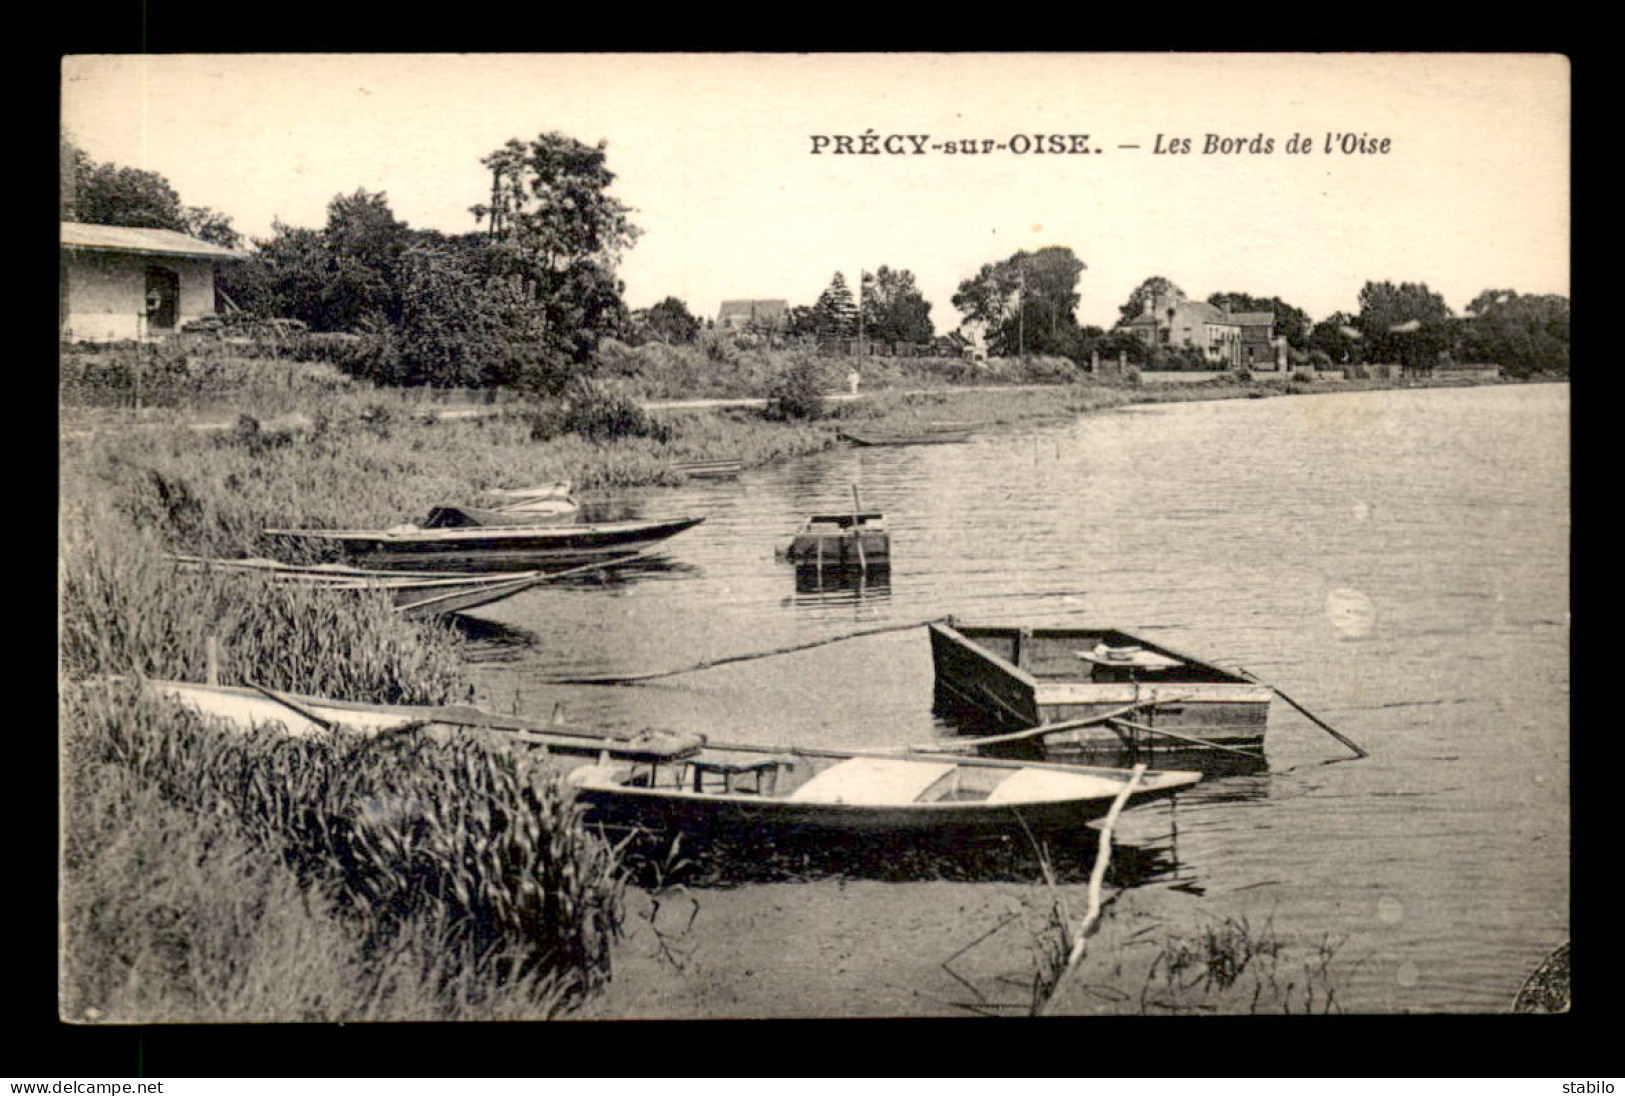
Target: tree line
525	298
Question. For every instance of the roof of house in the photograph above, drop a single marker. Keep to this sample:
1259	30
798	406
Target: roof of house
753	310
141	241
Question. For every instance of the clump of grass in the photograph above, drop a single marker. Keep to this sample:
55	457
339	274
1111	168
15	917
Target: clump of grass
124	610
1234	965
438	875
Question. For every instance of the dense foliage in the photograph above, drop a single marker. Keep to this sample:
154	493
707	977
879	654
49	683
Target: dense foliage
1028	302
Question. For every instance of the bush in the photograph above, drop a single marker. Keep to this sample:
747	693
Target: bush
1304	376
798	392
603	411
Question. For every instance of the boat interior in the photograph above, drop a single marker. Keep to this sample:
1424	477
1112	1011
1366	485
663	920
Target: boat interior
1103	655
834	523
868	781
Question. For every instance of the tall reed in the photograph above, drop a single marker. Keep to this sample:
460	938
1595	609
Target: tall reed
456	870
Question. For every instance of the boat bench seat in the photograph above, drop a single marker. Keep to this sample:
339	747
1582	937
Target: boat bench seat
872	781
766	772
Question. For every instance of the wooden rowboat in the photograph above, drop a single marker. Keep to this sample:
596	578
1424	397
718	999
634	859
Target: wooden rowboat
841	540
935	436
711	469
414	594
668	780
738	786
1029	677
493	548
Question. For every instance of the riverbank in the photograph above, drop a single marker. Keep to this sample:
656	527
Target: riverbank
130	496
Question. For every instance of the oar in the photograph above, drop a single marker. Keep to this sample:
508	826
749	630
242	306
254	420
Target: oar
298	709
1186	738
1046	728
1359	751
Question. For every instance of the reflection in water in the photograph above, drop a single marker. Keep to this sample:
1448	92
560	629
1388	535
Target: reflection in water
725	858
842	585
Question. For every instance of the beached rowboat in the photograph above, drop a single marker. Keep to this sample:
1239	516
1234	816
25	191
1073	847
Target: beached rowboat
414	594
241	709
1027	677
489	548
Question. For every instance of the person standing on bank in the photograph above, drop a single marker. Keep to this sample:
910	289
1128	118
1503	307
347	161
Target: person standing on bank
852	380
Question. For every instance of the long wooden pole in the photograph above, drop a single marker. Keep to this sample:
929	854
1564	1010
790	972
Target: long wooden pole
1359	751
298	709
1192	739
1046	728
1096	878
857	527
634	679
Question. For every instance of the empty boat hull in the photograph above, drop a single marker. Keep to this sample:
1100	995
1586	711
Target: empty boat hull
1028	677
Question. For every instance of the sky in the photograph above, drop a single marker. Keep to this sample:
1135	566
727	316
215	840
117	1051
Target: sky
737	197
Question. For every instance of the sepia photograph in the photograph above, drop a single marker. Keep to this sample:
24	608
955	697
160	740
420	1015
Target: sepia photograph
756	536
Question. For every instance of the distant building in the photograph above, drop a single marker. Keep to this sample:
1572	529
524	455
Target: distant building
132	283
1231	340
754	315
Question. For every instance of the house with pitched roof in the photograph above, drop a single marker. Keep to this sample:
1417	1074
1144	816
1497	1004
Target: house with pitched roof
133	283
1231	340
764	315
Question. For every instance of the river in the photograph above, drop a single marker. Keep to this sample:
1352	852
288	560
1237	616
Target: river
1396	560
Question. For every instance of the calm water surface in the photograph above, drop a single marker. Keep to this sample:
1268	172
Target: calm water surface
1397	561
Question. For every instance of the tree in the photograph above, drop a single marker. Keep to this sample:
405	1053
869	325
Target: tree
671	321
1291	324
835	313
1337	338
107	194
893	309
206	224
1148	292
556	232
1523	334
1407	323
1028	302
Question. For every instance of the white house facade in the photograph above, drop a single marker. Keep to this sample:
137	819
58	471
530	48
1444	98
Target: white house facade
133	283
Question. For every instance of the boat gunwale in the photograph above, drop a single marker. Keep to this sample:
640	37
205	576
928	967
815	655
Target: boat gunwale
454	534
957	629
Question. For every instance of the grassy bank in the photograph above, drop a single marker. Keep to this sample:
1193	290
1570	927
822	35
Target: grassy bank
214	877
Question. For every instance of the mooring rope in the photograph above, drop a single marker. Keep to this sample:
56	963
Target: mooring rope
637	679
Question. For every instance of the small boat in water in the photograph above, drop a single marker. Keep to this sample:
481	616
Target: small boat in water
1153	698
733	786
711	469
934	436
494	547
841	540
